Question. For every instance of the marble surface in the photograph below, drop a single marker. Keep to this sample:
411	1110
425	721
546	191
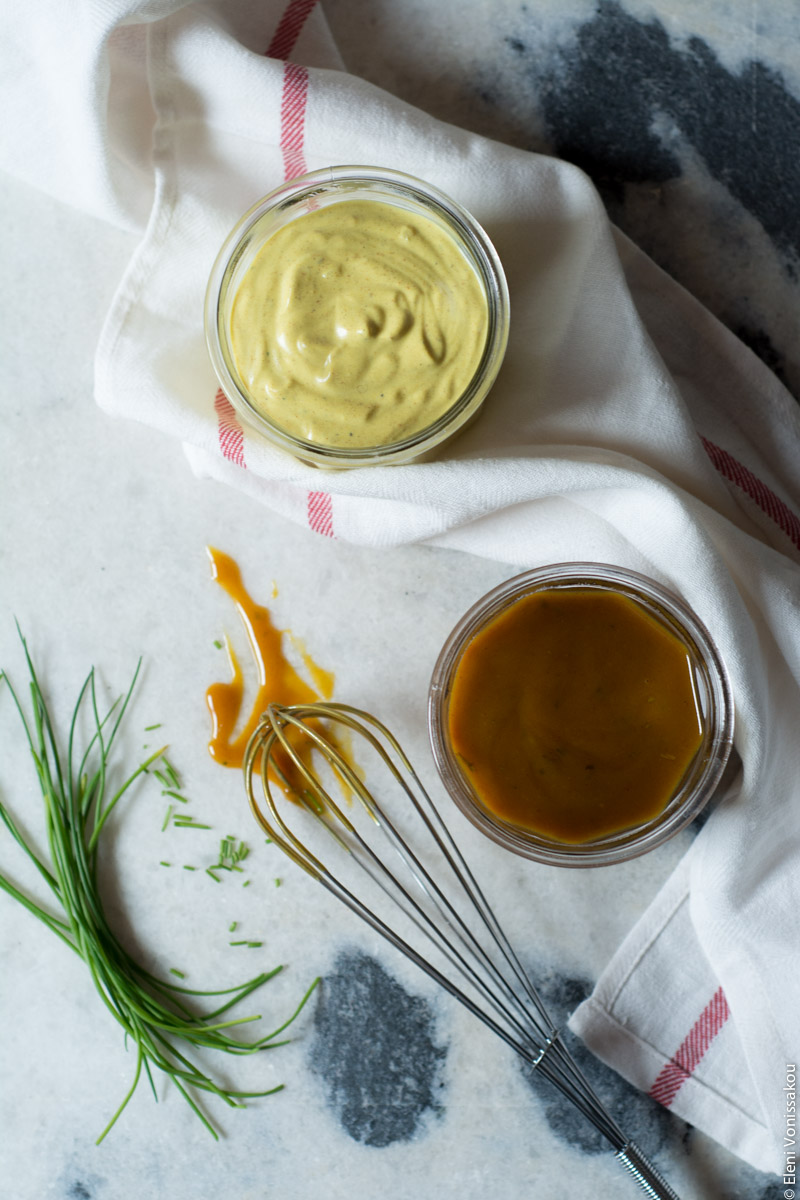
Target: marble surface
686	116
391	1089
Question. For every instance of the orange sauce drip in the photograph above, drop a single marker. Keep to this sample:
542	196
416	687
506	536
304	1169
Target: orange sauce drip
574	715
278	682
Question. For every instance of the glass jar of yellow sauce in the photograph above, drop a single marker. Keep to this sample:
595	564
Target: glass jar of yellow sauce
357	316
580	714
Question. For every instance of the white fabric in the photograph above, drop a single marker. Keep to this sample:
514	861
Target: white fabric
590	447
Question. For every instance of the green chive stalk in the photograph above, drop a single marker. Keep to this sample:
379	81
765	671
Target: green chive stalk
158	1017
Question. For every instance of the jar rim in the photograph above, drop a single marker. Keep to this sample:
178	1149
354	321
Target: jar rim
325	182
688	801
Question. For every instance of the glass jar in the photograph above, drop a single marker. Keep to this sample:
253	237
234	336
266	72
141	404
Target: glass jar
311	192
712	695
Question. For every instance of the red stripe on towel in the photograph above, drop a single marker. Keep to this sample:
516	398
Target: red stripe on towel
319	505
231	437
289	28
293	106
320	513
738	474
293	112
293	119
674	1074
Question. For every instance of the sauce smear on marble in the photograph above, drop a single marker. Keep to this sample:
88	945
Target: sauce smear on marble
278	681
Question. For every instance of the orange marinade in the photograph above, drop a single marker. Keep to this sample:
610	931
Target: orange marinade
573	714
278	682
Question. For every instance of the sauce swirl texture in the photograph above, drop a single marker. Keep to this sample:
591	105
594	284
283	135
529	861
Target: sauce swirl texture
358	324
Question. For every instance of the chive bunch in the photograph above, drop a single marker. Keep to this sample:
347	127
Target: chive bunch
155	1014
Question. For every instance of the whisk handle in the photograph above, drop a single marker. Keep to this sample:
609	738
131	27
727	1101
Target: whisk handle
648	1178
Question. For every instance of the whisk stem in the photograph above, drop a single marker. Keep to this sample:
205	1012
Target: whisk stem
651	1181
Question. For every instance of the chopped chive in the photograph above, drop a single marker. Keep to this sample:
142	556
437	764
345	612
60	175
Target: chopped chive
218	643
161	777
216	878
242	943
230	854
175	971
186	867
166	818
168	767
255	945
164	864
175	795
147	728
246	883
188	823
232	926
277	883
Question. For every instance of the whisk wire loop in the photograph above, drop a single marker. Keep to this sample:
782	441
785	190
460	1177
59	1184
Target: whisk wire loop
379	871
380	874
259	748
445	905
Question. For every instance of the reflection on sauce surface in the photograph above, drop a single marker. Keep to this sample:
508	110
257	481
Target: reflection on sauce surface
573	714
278	682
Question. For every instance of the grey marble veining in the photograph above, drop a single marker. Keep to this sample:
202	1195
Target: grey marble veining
686	117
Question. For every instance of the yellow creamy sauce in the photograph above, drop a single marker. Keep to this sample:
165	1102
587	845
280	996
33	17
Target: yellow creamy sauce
358	324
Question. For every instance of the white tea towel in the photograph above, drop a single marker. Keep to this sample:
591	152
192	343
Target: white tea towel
626	426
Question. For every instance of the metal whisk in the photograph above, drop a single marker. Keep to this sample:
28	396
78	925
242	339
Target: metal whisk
434	895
